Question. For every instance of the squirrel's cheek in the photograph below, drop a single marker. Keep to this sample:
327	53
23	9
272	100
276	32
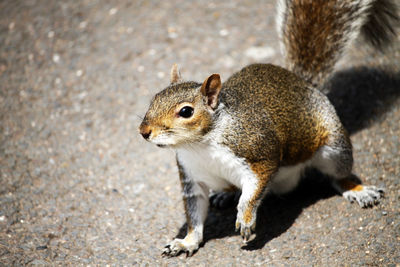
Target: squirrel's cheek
197	124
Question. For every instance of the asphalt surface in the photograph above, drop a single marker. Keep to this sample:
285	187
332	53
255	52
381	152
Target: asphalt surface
79	186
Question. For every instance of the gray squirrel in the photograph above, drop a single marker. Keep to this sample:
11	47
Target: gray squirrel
261	128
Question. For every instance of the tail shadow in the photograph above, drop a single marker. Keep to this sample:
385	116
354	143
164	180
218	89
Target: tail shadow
361	97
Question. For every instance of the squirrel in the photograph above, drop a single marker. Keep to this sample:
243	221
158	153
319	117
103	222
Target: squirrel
261	128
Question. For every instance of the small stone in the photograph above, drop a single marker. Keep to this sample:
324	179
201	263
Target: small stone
11	26
83	24
50	34
41	247
79	73
39	262
121	256
223	32
82	137
113	11
2	68
56	58
172	35
138	188
259	52
228	61
152	52
160	74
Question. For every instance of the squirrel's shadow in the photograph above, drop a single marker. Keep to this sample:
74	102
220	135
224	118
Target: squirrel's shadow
275	215
361	96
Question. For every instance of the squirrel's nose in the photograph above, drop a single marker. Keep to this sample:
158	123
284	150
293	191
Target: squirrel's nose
145	133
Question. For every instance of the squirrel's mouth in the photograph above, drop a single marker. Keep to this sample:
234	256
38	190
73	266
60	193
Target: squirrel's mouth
159	145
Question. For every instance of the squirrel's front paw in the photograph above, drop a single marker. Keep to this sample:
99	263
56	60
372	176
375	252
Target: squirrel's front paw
180	245
246	229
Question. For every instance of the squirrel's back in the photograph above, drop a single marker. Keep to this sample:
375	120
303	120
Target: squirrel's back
269	101
316	33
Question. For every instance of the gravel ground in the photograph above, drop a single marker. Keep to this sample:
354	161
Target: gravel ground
78	184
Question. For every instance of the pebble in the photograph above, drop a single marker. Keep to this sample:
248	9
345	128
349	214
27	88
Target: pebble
224	32
11	26
56	58
259	53
83	24
113	11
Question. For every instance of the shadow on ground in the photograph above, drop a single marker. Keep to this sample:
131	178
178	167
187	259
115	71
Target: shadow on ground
361	96
275	215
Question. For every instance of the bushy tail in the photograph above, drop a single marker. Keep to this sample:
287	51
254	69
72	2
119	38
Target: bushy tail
315	33
383	17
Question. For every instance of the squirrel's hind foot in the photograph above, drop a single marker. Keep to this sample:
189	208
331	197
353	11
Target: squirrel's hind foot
366	196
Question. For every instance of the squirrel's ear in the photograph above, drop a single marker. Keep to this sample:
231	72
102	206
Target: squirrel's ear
211	88
175	74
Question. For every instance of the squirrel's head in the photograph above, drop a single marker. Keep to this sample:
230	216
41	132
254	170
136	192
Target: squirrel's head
182	112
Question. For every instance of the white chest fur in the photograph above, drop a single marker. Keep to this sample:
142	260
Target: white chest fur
214	165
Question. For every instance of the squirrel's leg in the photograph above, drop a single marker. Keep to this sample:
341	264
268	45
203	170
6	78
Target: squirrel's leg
195	199
336	161
253	190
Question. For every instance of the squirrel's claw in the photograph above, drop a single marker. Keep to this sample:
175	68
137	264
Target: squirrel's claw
237	226
168	252
245	233
245	230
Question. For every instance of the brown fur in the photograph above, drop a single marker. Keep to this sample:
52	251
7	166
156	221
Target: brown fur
263	170
347	184
316	32
285	120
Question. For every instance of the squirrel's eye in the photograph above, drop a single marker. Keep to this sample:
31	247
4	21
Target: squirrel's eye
186	112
